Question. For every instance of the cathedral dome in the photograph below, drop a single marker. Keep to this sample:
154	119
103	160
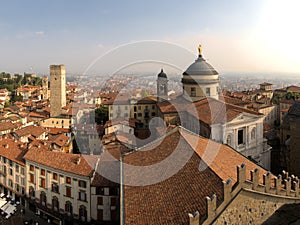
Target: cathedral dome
200	80
200	66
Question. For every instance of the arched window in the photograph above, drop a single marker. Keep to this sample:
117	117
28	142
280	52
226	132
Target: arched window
43	199
253	134
31	192
55	204
82	213
68	208
228	140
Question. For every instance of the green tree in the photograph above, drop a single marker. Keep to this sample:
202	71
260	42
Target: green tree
101	115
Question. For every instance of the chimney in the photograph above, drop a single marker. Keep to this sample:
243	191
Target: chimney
77	160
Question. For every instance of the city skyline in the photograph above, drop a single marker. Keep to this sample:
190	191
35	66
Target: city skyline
238	36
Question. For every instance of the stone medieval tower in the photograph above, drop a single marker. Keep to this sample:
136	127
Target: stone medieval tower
45	87
58	89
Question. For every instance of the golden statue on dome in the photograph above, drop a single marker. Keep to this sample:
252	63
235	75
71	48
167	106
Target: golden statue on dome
200	49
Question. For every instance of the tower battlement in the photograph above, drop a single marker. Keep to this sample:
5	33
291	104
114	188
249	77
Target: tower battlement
283	188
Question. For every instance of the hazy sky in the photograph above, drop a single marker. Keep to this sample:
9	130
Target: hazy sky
237	36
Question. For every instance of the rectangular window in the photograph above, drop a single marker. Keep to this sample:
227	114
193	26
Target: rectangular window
17	178
54	176
207	91
10	172
68	180
4	170
241	137
68	192
100	201
139	107
17	187
99	191
10	162
31	178
113	201
17	168
43	183
193	92
22	171
10	183
82	183
31	168
55	187
113	191
82	196
42	172
22	181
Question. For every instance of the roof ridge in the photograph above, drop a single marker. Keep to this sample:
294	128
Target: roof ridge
154	141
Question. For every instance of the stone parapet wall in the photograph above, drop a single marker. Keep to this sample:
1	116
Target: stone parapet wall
249	200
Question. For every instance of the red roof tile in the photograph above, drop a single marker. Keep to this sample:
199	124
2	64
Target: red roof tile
170	201
71	163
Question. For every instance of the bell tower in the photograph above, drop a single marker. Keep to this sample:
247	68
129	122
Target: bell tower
162	86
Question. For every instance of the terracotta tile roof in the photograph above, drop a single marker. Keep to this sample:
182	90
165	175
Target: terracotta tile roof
173	106
226	158
99	180
37	115
232	100
8	126
13	150
125	121
71	163
212	111
60	139
265	84
54	131
107	172
147	100
293	88
207	110
13	118
170	201
35	131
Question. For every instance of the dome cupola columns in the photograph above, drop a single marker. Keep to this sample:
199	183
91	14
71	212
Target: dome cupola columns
200	80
